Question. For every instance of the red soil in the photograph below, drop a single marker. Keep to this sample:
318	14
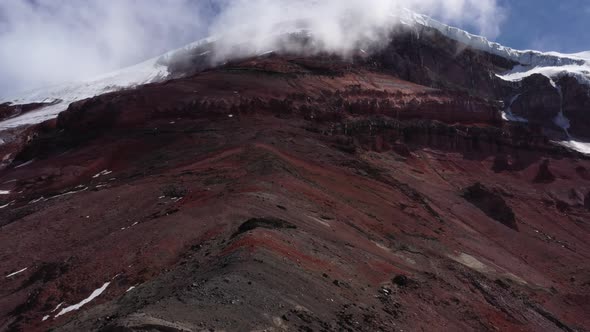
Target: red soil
185	176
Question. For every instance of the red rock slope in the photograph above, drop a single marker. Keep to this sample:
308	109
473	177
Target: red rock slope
293	194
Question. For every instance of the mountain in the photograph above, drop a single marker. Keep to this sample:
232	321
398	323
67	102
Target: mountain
417	183
201	54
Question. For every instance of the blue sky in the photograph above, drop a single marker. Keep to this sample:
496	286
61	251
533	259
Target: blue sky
547	25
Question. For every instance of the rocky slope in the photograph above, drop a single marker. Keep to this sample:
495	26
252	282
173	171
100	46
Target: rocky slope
308	193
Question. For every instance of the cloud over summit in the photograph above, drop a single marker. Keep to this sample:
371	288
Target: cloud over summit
46	42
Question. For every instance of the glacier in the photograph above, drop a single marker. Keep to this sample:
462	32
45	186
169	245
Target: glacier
59	97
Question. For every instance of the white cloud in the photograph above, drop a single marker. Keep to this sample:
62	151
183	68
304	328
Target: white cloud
45	42
340	24
49	41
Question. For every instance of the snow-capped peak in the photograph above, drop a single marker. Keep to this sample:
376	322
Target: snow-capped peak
59	97
550	64
523	57
528	62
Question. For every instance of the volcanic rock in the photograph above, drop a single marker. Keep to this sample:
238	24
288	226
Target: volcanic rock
491	203
270	223
544	173
539	101
286	192
401	280
576	98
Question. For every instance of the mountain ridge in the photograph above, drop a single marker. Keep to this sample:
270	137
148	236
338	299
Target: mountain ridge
298	192
157	69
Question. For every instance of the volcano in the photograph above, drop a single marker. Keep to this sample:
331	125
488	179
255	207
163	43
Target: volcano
432	180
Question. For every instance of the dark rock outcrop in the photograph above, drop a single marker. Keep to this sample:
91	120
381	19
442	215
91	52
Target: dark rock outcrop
491	203
426	57
544	175
538	100
576	105
269	223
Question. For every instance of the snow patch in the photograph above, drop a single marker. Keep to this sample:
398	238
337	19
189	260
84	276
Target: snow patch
132	225
582	147
37	116
4	192
507	113
508	116
560	120
37	200
580	72
25	163
5	205
79	190
525	57
58	306
17	272
87	300
103	173
61	96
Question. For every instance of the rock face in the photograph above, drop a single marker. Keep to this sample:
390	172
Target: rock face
544	174
490	203
537	100
297	193
576	104
426	57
